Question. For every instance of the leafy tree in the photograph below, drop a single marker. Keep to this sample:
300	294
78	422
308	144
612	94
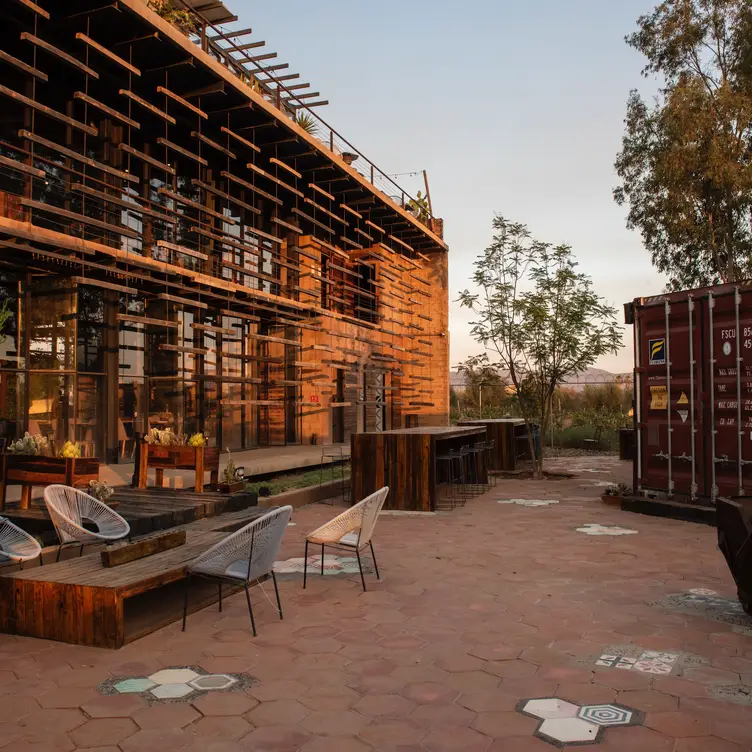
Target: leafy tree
686	160
539	316
485	386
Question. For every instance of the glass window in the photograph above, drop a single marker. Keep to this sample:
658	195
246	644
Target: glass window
52	327
131	413
90	415
166	409
90	338
51	408
12	405
11	346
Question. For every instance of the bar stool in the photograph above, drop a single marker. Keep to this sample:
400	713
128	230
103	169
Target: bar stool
338	454
471	453
454	461
492	479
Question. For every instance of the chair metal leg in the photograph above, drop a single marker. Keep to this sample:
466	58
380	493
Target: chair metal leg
276	592
375	565
250	609
81	552
360	566
305	564
322	559
59	550
185	600
219	586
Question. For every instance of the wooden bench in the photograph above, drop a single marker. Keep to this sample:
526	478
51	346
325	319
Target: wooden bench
81	602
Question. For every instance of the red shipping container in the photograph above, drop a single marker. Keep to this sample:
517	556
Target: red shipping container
693	392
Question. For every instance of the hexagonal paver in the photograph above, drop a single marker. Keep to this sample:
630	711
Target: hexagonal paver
174	676
550	708
166	715
213	681
277	713
606	715
384	706
102	731
134	685
225	703
568	730
171	691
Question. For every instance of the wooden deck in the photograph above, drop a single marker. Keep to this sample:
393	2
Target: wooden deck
80	601
147	509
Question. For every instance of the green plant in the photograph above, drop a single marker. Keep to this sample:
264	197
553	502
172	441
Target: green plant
620	489
540	316
166	437
307	122
100	490
197	440
5	314
419	207
182	20
231	474
29	444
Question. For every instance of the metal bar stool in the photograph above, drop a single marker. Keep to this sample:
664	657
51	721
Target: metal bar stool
454	461
492	479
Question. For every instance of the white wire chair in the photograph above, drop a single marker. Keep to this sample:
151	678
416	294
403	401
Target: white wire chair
16	545
70	508
351	530
246	556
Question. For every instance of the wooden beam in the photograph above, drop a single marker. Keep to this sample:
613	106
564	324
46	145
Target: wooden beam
184	349
184	301
147	321
180	150
195	205
21	167
280	163
250	187
35	40
104	285
271	177
326	211
177	98
316	188
76	217
204	140
21	99
147	105
231	35
182	249
215	88
226	196
287	225
107	110
118	201
27	136
240	139
107	53
25	67
239	315
146	158
268	69
34	7
308	217
351	211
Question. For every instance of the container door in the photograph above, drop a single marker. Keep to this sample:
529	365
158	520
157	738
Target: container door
670	408
729	376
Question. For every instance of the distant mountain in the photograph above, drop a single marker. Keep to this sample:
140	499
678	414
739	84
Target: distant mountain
595	376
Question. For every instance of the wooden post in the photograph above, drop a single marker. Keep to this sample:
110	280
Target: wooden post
143	463
135	478
199	470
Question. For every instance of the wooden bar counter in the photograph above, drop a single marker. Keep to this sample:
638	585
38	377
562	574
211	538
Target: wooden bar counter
504	432
405	460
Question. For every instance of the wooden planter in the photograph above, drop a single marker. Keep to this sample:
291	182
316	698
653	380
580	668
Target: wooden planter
229	488
162	457
613	501
29	470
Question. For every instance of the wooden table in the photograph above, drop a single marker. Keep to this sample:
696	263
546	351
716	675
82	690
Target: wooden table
81	602
505	433
405	460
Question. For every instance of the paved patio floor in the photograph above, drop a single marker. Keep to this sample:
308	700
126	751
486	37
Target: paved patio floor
630	641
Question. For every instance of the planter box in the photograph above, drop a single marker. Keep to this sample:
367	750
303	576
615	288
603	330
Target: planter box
162	457
230	488
30	470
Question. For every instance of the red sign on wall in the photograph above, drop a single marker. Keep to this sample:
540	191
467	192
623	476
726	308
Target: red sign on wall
315	398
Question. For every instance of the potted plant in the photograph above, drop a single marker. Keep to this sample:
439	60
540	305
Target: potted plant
100	490
167	450
232	477
614	494
28	462
183	20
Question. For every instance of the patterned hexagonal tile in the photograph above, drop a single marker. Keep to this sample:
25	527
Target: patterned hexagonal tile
551	708
568	731
174	676
606	715
171	691
213	681
595	529
134	685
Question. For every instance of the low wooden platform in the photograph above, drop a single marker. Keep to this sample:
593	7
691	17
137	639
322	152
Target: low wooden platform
147	509
81	602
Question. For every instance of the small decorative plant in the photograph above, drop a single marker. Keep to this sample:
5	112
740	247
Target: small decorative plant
29	444
618	490
70	450
100	490
182	20
307	122
166	437
197	440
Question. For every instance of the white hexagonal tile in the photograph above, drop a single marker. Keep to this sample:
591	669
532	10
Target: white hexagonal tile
173	676
551	708
568	730
213	681
134	685
606	715
171	691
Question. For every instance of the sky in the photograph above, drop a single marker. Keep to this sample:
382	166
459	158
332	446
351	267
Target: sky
514	108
